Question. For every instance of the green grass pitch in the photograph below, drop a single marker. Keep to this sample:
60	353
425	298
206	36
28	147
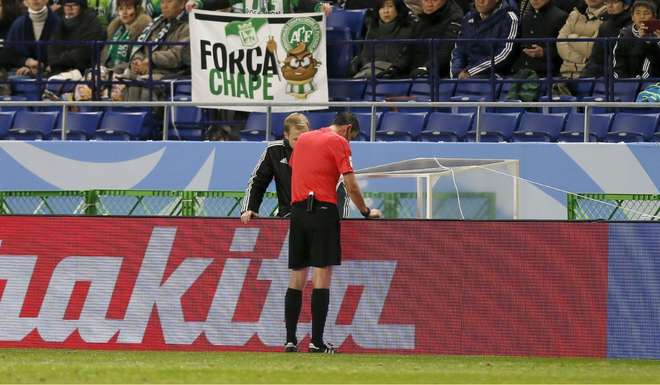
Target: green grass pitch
66	366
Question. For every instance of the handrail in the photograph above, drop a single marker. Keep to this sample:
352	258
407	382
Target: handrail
269	106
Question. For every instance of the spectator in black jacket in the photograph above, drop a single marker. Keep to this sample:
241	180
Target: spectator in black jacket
440	19
9	11
389	21
79	24
37	25
633	56
543	20
274	164
618	17
489	19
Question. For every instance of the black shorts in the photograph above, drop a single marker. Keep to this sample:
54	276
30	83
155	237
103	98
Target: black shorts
314	237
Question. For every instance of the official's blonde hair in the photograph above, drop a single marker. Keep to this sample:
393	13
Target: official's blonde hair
296	121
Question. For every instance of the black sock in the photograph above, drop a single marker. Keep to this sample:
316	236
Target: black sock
320	302
292	306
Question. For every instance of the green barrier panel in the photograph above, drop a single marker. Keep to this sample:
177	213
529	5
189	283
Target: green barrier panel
613	207
218	203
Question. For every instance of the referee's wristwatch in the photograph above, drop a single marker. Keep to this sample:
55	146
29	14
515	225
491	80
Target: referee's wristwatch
366	213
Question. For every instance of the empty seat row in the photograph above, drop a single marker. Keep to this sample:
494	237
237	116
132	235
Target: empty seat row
494	127
98	125
482	90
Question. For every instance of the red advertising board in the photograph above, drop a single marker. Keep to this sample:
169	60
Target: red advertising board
442	287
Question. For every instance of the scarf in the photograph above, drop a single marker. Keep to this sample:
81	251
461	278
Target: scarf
162	33
118	53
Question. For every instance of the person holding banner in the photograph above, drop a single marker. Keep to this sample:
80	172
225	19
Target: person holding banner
274	164
320	159
262	6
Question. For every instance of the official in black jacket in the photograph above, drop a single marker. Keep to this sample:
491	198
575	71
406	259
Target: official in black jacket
274	164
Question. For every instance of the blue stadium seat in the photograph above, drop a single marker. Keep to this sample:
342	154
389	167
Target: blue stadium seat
255	126
539	127
466	98
318	119
185	123
583	87
624	91
479	88
444	127
574	127
6	120
13	99
400	126
59	87
627	127
346	89
495	127
80	125
182	88
387	88
446	91
30	125
340	49
364	118
420	90
117	125
352	19
27	87
558	98
149	121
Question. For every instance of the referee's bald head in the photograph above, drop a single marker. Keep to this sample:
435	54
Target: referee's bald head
348	119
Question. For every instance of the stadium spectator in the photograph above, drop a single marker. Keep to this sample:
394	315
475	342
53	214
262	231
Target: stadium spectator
9	11
165	59
270	6
127	26
131	20
488	19
79	24
390	21
440	19
633	56
618	17
543	19
582	22
107	10
36	26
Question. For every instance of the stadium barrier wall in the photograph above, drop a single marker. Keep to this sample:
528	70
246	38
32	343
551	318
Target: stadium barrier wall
226	166
450	287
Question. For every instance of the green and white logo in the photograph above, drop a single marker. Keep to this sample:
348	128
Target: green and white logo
301	30
246	30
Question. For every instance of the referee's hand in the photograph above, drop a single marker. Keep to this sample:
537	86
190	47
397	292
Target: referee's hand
247	215
375	214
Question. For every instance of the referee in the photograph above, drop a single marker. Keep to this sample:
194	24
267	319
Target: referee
320	159
274	164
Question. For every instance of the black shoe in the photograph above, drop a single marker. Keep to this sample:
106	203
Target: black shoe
290	347
324	348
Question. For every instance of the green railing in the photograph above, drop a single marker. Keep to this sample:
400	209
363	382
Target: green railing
613	207
218	203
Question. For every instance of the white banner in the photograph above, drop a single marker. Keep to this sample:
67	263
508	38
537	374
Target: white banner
255	58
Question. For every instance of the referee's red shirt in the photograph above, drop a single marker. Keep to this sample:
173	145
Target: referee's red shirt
318	160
